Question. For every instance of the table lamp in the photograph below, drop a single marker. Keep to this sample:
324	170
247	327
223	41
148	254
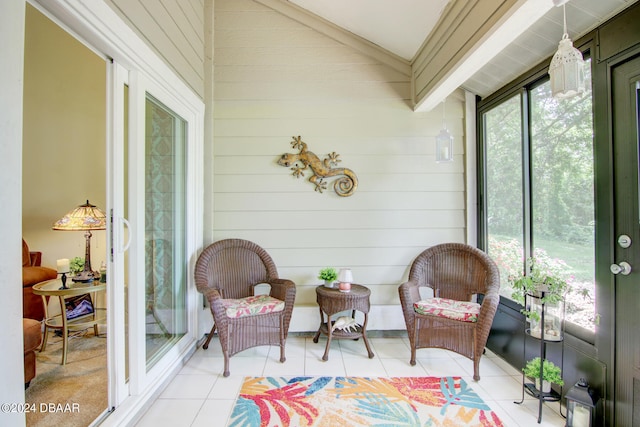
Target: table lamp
85	218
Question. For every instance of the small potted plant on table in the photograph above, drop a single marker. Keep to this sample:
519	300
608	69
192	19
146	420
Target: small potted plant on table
328	274
76	265
551	374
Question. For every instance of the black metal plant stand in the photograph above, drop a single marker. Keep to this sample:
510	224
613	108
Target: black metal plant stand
530	388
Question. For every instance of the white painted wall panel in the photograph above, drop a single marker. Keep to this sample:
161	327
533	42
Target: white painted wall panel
174	29
361	144
388	219
261	56
275	37
318	202
346	72
405	164
239	183
303	90
276	78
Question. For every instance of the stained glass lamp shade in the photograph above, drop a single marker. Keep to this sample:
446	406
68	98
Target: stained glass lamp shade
85	218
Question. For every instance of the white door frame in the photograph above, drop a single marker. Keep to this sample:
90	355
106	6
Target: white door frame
134	63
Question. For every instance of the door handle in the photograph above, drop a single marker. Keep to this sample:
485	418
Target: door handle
125	223
623	268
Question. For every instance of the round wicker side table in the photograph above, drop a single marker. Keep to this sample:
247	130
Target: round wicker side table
332	301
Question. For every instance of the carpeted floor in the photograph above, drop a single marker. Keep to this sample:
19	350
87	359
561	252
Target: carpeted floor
74	394
359	401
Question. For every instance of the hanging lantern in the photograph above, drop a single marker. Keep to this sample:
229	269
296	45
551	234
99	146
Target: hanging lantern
444	141
581	405
567	67
444	146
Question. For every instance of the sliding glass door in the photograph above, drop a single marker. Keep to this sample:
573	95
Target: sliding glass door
154	179
165	253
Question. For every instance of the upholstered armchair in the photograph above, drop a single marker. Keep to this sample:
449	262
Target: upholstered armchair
457	313
33	273
226	274
32	338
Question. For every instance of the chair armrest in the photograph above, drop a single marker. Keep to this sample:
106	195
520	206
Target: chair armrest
215	303
409	292
283	289
36	258
211	294
489	305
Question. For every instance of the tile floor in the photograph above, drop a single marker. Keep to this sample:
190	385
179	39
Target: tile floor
200	396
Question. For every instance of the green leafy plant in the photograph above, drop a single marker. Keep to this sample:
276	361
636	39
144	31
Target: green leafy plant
76	265
328	273
550	372
536	281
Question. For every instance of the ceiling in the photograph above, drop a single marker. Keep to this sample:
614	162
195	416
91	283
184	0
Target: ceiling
401	26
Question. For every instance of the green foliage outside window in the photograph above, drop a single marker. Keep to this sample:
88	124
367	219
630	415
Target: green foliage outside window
540	156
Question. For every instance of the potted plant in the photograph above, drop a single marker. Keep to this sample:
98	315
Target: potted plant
76	265
536	281
551	374
328	274
546	289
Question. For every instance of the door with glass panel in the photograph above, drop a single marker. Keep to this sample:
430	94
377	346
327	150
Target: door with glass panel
154	230
626	260
165	278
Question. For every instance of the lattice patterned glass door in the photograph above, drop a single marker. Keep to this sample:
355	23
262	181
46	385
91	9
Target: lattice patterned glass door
165	254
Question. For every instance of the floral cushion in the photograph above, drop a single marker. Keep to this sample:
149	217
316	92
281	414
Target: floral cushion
250	306
464	311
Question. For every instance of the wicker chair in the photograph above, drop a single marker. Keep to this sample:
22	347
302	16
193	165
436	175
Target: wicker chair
229	270
457	272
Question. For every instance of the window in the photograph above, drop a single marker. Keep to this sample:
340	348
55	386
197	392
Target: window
504	182
539	190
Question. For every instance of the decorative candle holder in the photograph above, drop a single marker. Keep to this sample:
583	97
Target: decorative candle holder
63	278
553	318
345	277
63	268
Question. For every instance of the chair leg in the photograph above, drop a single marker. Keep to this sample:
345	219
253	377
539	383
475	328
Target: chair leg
413	342
476	369
226	364
65	344
206	343
282	340
45	335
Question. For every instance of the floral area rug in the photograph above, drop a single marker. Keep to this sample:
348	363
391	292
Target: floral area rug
359	401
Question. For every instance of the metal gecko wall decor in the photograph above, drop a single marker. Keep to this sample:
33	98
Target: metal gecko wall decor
321	169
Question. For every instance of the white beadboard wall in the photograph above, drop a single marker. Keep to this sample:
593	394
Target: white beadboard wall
276	78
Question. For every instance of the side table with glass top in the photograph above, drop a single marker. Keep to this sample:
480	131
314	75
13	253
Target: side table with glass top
332	301
53	288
